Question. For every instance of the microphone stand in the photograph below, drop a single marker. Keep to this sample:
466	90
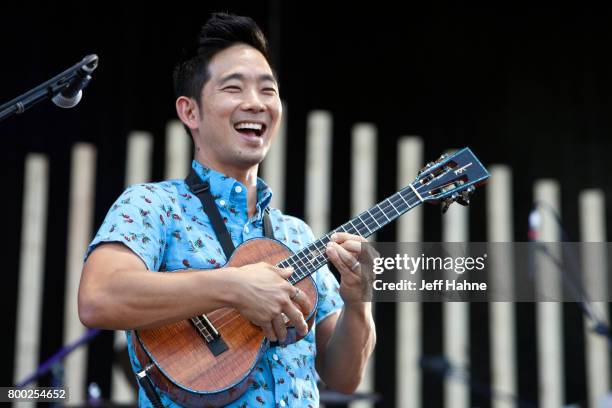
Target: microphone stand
48	89
443	368
599	326
59	355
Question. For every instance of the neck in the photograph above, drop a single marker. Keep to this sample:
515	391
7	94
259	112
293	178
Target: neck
247	176
312	257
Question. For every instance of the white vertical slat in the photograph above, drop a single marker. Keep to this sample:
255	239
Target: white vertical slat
274	169
80	224
410	229
363	167
502	316
318	171
31	266
139	158
456	318
178	151
549	319
594	266
363	196
138	170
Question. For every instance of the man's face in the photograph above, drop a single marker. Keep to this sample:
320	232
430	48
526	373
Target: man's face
240	109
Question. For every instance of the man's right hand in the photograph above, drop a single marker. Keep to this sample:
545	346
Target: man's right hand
264	294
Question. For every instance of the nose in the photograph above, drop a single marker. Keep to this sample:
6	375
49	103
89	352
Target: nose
252	102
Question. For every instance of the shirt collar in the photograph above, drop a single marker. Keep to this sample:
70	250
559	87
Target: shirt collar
224	187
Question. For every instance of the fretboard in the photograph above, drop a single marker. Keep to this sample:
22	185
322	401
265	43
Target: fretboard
312	257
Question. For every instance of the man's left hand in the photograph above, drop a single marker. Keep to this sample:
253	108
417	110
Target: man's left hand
343	251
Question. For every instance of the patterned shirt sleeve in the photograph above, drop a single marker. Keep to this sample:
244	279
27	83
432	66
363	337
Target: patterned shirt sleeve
329	294
327	287
138	220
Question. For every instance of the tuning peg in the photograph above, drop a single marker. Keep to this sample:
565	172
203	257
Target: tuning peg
464	198
445	204
428	165
442	157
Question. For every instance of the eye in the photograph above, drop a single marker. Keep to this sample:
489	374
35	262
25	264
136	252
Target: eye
269	91
232	88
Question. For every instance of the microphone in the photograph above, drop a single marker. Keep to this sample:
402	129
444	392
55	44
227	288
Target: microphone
71	95
535	220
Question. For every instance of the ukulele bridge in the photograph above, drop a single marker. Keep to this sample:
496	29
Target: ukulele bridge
210	335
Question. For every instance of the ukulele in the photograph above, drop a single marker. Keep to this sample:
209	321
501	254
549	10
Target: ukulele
208	359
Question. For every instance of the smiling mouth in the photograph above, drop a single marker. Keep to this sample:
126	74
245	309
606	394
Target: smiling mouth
250	128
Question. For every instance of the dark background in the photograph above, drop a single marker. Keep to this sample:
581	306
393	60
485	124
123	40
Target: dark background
528	87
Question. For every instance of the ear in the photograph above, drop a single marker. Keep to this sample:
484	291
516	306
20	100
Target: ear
188	111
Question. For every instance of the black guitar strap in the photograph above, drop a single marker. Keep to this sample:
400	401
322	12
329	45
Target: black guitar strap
202	191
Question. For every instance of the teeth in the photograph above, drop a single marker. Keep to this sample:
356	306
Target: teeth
248	125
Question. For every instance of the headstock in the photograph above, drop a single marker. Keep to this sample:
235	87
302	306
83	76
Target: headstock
451	178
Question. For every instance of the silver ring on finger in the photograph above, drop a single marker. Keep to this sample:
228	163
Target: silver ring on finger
355	265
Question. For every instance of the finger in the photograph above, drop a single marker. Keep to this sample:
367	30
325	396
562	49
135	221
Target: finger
285	273
352	246
296	317
345	256
269	332
279	327
340	237
332	253
302	301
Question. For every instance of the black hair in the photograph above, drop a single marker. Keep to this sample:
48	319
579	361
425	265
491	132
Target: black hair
221	31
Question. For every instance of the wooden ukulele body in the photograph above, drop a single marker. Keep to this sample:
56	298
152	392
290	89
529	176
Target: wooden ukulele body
184	365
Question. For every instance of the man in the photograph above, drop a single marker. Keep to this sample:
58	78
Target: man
227	97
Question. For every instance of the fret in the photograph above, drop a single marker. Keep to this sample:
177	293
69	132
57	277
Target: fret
322	249
366	225
373	217
379	215
377	205
351	222
391	202
407	203
416	192
291	263
297	262
311	253
309	258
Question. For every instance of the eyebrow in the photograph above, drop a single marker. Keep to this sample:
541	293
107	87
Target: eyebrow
241	77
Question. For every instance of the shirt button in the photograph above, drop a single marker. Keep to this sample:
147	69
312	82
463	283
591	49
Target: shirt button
246	229
274	357
282	403
222	202
238	189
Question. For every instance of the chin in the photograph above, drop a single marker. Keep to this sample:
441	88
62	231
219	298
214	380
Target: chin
252	157
249	160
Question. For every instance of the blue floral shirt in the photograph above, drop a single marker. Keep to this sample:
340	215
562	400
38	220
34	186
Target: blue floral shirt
163	223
